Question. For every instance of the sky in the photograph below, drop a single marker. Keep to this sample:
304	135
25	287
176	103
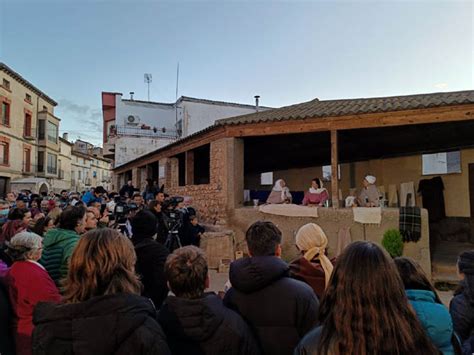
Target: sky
285	51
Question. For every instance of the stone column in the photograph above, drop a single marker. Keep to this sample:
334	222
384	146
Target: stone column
136	177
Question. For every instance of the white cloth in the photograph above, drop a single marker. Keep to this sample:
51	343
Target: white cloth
367	215
316	191
289	210
407	188
371	179
285	191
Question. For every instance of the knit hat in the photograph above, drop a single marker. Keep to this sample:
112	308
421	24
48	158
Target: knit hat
143	225
466	262
313	241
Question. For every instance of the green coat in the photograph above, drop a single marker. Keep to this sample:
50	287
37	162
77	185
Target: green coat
58	245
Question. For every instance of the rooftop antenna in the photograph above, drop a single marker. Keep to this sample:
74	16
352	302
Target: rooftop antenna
177	81
148	79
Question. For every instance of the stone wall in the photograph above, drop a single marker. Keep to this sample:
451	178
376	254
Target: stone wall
211	199
331	220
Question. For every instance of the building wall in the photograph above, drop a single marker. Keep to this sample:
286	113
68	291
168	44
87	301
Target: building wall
387	171
200	115
65	165
130	148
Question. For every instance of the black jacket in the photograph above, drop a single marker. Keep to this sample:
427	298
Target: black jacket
462	313
114	324
204	326
279	309
126	189
309	344
151	258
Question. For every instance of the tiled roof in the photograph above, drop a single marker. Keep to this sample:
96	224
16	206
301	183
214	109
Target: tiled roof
333	108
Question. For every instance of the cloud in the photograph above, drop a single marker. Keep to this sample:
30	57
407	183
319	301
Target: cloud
441	86
80	120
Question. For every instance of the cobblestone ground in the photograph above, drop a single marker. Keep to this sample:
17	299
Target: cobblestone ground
218	281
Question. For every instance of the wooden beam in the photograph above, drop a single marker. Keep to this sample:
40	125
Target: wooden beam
334	169
372	120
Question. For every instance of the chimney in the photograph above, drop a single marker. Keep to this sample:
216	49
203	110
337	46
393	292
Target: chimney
131	95
65	136
257	97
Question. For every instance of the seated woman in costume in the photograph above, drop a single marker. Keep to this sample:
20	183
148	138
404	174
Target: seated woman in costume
280	193
317	195
369	195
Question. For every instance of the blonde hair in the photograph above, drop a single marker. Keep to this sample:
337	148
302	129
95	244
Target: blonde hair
24	245
312	240
103	263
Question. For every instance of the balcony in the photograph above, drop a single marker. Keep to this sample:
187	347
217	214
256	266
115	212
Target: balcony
28	169
52	170
144	131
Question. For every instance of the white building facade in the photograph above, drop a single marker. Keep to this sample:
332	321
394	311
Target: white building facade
133	128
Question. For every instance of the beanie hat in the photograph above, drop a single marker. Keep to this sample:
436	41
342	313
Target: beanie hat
466	262
143	225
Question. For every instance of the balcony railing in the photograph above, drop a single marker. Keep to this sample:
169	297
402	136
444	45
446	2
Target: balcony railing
52	170
144	131
61	174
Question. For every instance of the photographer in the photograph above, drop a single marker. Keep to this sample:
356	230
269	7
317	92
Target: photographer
122	215
161	231
174	221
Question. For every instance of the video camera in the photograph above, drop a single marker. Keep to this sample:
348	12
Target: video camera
122	209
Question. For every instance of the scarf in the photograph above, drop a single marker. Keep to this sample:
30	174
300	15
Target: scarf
278	188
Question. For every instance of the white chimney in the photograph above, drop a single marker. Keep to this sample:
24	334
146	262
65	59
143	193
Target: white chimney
65	136
257	97
131	95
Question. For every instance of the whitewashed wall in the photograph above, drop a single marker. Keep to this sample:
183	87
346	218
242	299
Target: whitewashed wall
130	148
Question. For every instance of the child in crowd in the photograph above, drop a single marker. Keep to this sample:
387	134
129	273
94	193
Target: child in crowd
195	231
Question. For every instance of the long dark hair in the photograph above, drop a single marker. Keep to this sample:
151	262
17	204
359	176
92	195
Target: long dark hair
413	276
71	216
40	224
365	309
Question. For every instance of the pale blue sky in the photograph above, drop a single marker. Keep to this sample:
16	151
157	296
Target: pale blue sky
285	51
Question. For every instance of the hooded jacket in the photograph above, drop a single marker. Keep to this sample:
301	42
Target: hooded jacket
150	265
434	317
462	313
58	245
279	309
113	324
205	326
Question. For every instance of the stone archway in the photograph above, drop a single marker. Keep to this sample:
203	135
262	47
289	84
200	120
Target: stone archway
43	188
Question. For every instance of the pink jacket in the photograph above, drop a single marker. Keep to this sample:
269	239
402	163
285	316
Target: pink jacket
315	199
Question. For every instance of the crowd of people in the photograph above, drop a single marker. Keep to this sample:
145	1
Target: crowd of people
95	273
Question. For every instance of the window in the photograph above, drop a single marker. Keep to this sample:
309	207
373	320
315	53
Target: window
79	174
6	84
202	157
52	132
181	169
27	160
27	127
441	163
327	172
52	164
40	162
41	129
45	108
28	98
5	119
266	178
4	153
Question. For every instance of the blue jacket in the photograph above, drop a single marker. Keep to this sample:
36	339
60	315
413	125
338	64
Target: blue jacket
434	317
90	197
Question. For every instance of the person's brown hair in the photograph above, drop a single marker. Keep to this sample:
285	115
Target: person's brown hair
365	309
413	276
103	263
186	272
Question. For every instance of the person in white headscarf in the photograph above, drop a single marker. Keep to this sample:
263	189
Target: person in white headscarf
369	196
280	193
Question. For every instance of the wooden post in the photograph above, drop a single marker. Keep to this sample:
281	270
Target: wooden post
334	169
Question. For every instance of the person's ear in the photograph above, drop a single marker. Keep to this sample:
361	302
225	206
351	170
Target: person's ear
207	283
278	250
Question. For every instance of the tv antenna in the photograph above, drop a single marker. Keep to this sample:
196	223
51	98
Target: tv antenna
148	79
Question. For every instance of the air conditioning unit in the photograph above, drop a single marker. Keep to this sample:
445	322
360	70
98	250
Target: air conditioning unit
132	120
